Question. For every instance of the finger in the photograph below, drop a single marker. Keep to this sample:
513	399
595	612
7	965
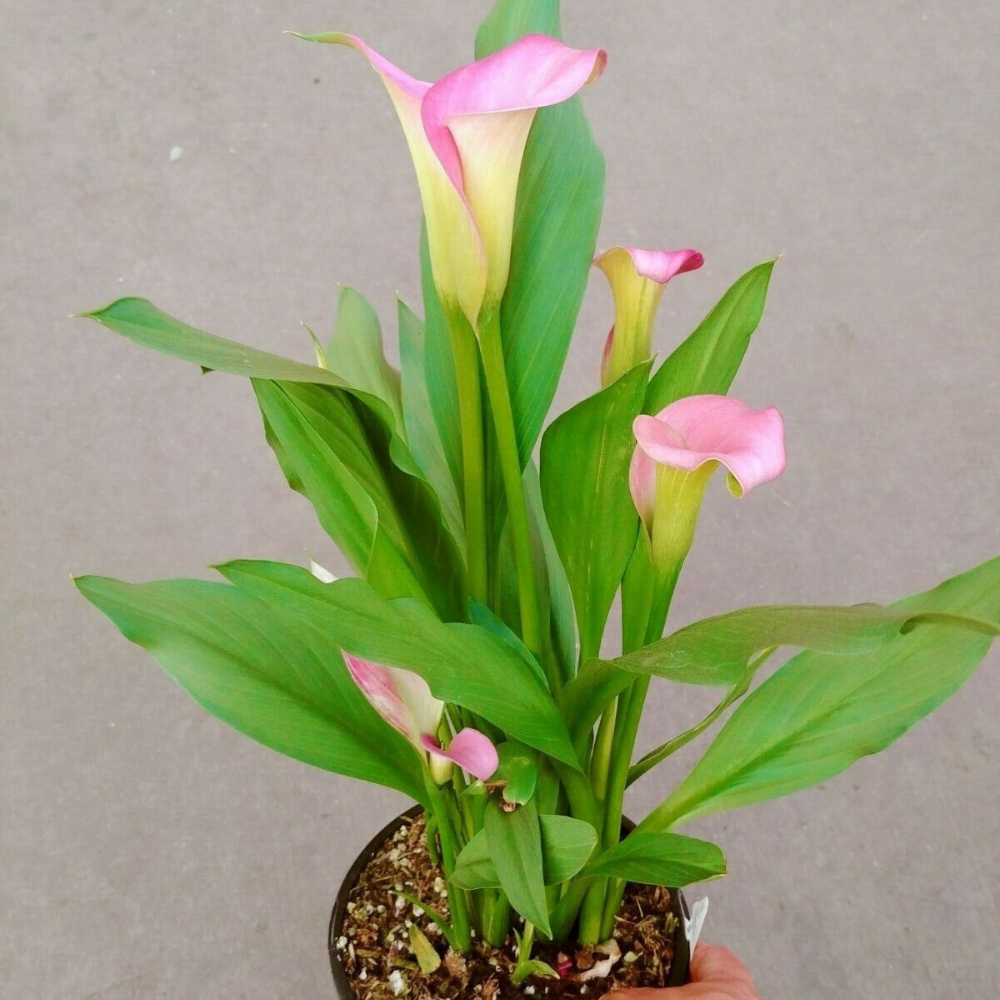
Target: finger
713	964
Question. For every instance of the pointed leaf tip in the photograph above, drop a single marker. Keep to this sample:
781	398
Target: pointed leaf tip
319	36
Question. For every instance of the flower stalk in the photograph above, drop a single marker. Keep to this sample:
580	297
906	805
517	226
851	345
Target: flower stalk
470	406
498	391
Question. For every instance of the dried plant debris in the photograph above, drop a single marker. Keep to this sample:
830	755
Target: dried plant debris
376	943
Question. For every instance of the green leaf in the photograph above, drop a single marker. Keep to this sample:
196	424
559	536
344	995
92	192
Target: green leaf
553	582
474	868
346	461
338	445
584	471
510	20
716	651
439	368
515	845
356	353
266	673
421	428
559	201
660	859
588	694
707	362
533	967
567	844
463	664
556	615
820	713
140	321
482	616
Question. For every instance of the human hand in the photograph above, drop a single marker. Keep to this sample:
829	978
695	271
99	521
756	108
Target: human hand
716	974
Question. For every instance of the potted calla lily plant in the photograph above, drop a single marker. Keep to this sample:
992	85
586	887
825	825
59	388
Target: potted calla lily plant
466	664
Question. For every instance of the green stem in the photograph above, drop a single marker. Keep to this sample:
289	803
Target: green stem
470	408
524	954
498	390
496	921
591	915
630	706
592	912
565	911
582	802
449	849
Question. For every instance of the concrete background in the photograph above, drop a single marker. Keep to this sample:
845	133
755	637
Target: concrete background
148	851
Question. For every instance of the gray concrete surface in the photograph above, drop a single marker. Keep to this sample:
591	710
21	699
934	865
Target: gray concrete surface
147	851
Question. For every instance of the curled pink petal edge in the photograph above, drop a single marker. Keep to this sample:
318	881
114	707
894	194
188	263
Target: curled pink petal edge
658	265
534	72
699	429
470	750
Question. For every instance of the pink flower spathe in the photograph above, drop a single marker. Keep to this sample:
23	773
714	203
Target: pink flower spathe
697	430
405	701
466	135
637	279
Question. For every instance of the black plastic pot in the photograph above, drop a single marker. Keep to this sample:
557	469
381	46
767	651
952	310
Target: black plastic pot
682	952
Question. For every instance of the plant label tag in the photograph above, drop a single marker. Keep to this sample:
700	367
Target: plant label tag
694	923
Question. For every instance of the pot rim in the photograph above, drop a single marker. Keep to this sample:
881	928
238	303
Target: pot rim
682	950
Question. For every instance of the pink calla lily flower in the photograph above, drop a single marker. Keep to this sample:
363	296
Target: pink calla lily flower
638	279
466	135
680	447
405	701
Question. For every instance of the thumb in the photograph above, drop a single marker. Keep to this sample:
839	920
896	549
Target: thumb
715	973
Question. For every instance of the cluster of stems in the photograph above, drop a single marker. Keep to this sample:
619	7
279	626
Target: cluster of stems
595	794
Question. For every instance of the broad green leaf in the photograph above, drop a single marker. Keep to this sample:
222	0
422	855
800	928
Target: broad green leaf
265	672
140	321
707	362
585	461
335	443
716	651
510	20
820	713
588	694
660	859
474	868
482	616
345	460
515	845
559	201
567	844
356	353
639	587
421	428
463	664
439	368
